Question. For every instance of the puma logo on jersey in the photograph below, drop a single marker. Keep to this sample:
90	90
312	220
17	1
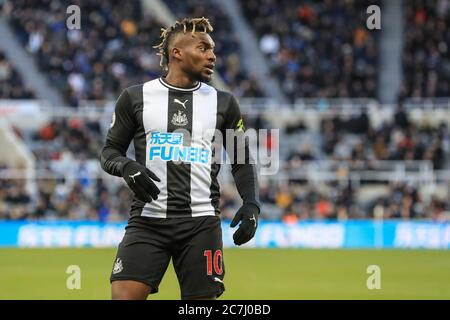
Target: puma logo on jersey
135	175
179	102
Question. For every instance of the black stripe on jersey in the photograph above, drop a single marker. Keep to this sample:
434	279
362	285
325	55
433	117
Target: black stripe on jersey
179	174
215	188
222	104
140	142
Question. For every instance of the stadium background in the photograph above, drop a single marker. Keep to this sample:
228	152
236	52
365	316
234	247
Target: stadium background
363	143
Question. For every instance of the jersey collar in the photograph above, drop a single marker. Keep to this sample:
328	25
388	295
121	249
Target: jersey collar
164	83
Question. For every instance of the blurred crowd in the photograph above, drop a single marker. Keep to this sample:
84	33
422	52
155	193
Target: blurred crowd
15	200
11	84
57	198
292	203
110	52
426	57
82	199
66	139
113	49
355	142
317	48
351	144
96	200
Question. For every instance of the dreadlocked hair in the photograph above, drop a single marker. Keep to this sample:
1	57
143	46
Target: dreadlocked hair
187	24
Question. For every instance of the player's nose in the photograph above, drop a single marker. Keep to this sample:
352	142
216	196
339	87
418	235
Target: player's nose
211	56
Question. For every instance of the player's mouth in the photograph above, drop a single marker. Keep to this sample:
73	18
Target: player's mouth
209	68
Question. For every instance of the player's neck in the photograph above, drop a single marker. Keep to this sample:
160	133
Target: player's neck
179	79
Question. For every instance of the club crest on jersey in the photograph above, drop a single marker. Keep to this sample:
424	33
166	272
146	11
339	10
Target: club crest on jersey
118	266
179	119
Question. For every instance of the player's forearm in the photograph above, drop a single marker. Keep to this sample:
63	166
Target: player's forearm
112	159
246	181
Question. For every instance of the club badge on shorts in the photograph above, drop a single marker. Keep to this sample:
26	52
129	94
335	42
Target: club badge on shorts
118	266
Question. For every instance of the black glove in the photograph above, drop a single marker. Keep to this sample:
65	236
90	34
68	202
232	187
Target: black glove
248	215
139	179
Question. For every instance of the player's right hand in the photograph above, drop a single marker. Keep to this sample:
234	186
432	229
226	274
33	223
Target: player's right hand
140	180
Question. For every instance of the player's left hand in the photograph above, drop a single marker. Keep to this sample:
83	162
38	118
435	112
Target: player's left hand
248	215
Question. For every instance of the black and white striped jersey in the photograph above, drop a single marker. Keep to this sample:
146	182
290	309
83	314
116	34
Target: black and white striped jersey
171	129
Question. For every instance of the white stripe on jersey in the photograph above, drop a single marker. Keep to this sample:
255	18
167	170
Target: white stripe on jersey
154	118
204	114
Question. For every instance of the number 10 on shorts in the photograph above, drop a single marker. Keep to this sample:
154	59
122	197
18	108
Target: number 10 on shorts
217	262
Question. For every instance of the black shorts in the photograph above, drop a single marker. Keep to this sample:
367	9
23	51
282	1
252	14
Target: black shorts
194	244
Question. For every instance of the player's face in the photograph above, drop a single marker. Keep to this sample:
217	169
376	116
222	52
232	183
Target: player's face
198	56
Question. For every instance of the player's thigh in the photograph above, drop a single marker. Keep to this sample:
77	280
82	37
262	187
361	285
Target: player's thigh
198	261
141	257
129	290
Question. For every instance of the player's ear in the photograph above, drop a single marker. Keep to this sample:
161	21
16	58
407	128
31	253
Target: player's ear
176	53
